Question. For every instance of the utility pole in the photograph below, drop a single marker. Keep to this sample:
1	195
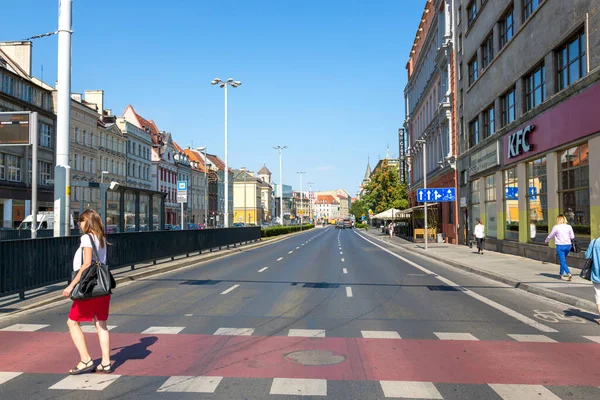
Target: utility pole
280	148
423	142
310	215
62	172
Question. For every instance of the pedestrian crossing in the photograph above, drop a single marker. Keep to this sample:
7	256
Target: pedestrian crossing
157	386
295	332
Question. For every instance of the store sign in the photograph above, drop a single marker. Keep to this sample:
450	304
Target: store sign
518	142
484	159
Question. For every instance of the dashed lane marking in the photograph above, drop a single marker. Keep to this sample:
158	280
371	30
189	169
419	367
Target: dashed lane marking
166	330
92	328
593	338
234	332
344	270
7	376
306	333
454	336
299	387
410	390
230	289
191	384
532	338
85	382
290	252
380	335
298	248
24	328
263	269
349	291
508	311
343	260
280	258
523	392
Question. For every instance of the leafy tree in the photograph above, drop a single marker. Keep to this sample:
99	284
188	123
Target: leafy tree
359	208
385	190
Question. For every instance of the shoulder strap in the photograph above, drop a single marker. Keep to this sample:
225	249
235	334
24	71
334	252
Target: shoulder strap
94	248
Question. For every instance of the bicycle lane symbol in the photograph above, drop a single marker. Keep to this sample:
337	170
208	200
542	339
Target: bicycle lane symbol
554	317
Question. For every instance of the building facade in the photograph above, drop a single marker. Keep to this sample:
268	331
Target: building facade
266	194
198	201
529	78
20	91
184	174
139	155
430	113
217	163
326	207
247	202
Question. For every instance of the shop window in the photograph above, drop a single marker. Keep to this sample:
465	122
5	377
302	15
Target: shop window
489	122
508	107
511	204
507	27
487	51
571	61
574	194
491	222
535	87
537	199
529	7
475	210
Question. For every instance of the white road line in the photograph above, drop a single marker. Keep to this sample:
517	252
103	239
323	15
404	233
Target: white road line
532	338
343	260
593	338
454	336
230	289
298	248
349	291
523	392
410	390
344	270
306	333
299	387
508	311
92	328
85	382
234	332
341	252
164	330
263	269
7	376
24	328
280	258
380	335
191	384
290	252
188	315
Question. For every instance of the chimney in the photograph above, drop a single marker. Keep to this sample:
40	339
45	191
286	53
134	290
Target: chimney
19	52
96	97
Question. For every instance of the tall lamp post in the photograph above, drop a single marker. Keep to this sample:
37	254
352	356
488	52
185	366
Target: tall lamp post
422	141
301	198
203	150
310	215
243	169
280	149
225	85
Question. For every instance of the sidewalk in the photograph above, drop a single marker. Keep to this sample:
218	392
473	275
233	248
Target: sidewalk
533	276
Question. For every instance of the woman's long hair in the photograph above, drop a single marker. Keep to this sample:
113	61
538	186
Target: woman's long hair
93	225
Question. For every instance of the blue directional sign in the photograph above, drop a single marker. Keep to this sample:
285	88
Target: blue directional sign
533	193
181	185
436	194
512	193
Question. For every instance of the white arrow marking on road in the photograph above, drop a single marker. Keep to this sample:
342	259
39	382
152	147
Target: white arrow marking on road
348	291
344	270
263	269
280	258
230	289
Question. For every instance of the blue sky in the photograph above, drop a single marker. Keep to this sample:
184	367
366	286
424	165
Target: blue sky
324	77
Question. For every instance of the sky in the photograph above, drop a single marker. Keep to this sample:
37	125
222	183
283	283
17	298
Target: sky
324	77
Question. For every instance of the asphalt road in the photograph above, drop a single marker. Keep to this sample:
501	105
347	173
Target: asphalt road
326	313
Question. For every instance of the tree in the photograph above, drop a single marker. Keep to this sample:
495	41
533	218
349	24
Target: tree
385	190
358	209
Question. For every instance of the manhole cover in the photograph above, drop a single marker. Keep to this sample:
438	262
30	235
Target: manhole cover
315	357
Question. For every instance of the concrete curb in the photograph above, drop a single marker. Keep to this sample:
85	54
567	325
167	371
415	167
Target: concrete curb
167	267
528	287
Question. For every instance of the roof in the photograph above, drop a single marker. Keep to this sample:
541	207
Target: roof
264	171
177	147
326	199
144	124
367	172
195	156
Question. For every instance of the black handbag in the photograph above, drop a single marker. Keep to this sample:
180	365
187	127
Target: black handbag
586	271
95	281
575	246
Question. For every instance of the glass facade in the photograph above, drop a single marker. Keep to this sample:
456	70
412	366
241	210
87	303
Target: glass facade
491	222
574	190
475	206
511	204
537	200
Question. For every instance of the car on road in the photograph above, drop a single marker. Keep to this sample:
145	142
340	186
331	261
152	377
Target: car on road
347	223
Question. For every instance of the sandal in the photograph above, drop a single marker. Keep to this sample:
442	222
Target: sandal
569	277
88	367
105	369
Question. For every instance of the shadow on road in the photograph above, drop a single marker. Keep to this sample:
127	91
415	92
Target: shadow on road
574	312
137	351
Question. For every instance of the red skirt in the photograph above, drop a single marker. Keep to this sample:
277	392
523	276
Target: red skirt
86	310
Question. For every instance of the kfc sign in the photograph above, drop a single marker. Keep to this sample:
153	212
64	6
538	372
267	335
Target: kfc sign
518	142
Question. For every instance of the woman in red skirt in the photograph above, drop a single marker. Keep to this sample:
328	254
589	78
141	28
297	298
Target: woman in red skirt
95	309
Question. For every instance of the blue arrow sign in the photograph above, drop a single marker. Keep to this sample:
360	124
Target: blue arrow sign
436	195
533	193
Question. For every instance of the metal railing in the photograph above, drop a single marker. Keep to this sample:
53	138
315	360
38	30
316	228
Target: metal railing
26	234
33	263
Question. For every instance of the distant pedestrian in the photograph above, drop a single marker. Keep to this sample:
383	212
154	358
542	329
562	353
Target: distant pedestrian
391	230
593	252
94	309
563	236
479	233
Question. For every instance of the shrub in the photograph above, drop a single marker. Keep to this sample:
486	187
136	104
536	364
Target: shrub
362	226
284	230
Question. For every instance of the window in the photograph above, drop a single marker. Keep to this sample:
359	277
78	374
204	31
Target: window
91	140
471	12
489	122
46	135
13	163
511	204
128	147
83	140
459	16
92	165
491	223
507	28
537	198
460	43
8	84
508	107
76	161
474	132
473	71
2	168
487	51
83	163
529	6
460	71
76	135
571	61
474	202
535	87
574	191
45	172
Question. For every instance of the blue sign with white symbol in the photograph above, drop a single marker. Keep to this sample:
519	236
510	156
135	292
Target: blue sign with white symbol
512	193
436	194
533	193
181	185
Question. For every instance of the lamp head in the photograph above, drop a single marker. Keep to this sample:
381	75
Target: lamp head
230	80
216	81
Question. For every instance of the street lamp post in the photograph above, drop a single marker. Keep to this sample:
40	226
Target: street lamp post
310	216
225	85
280	148
301	199
203	149
422	141
243	169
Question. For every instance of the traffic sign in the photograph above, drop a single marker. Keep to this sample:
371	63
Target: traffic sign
300	212
182	193
533	193
512	193
436	195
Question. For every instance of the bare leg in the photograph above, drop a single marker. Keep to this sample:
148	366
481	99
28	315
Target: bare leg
79	341
104	338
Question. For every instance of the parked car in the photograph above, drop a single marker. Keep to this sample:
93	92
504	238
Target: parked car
239	224
193	227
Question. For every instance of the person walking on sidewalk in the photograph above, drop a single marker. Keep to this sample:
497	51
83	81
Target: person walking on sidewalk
94	309
593	252
479	233
391	230
563	236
